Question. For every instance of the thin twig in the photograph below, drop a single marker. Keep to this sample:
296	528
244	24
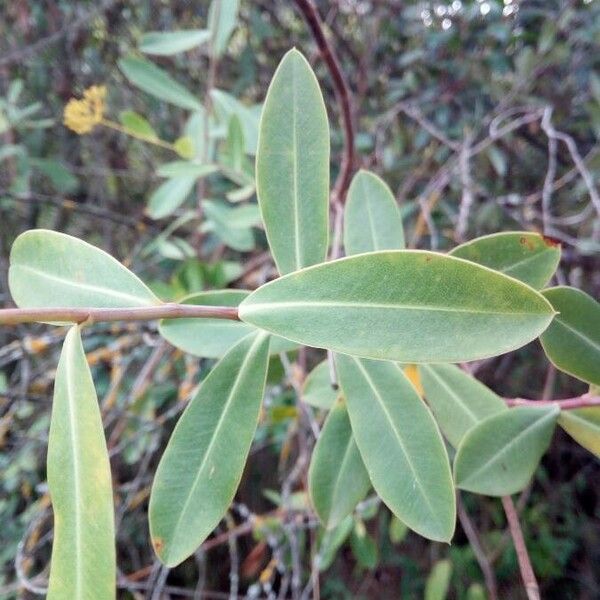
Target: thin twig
14	316
527	574
584	401
342	94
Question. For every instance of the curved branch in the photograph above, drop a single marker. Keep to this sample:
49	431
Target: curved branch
342	94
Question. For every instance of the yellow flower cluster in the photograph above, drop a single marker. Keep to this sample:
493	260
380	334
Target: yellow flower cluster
83	115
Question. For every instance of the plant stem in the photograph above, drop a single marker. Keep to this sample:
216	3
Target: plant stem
527	574
14	316
584	401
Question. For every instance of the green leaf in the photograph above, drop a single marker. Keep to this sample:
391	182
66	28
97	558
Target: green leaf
337	477
527	256
184	168
398	530
157	82
438	581
457	400
137	124
583	425
212	338
61	177
364	547
235	233
318	391
202	465
51	269
167	43
332	541
222	17
83	551
572	342
236	149
184	146
292	166
169	196
372	219
226	106
499	456
400	445
409	305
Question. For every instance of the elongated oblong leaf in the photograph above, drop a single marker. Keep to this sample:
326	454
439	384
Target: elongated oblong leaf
222	17
201	468
167	43
292	166
212	338
372	219
457	399
157	82
409	305
83	551
51	269
572	342
317	390
498	456
583	425
400	445
527	256
337	478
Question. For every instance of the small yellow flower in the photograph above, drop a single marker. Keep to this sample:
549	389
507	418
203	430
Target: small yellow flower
83	115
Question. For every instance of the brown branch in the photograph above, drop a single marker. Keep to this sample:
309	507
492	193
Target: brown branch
584	401
342	94
14	316
527	574
475	543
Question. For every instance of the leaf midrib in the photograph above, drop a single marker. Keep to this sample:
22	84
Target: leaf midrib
579	334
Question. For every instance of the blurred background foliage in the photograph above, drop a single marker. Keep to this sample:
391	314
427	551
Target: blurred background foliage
482	116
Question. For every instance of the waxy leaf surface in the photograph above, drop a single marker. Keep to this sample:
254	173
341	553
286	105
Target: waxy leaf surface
400	445
527	256
572	342
202	465
372	219
337	478
83	550
407	305
457	399
292	166
51	269
499	456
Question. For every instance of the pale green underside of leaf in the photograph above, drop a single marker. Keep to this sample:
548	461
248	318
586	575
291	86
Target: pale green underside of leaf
457	400
317	390
292	166
523	255
583	425
167	43
157	82
83	550
337	478
372	219
202	465
408	305
222	17
212	338
499	456
572	342
400	445
51	269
